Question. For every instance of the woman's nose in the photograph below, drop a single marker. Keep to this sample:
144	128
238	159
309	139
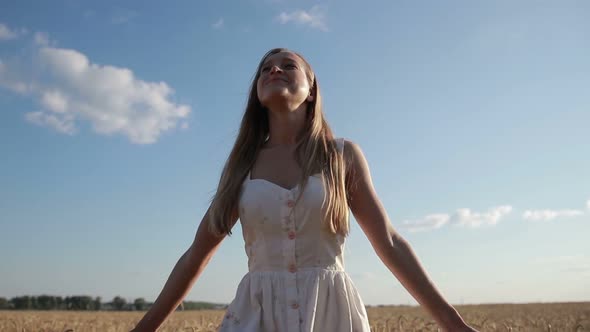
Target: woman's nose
274	69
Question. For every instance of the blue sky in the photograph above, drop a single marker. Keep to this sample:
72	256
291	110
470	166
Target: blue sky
116	118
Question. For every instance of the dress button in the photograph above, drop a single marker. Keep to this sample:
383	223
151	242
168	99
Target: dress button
292	268
294	305
291	235
290	203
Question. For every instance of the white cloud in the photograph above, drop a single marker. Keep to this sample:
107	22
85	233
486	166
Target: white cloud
71	89
63	124
54	101
7	34
545	215
427	223
465	217
468	218
122	16
41	39
11	81
218	24
462	217
313	18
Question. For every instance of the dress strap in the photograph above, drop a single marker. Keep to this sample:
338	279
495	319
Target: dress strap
340	144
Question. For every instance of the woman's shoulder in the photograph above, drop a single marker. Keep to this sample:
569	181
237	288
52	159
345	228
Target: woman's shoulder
346	145
352	152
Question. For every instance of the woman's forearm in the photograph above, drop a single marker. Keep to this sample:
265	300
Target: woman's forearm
185	273
404	264
179	283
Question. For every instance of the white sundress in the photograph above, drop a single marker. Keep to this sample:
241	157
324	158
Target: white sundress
296	280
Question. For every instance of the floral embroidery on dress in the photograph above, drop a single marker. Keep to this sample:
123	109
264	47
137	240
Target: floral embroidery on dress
232	317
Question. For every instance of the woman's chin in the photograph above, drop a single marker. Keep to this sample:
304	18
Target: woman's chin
276	97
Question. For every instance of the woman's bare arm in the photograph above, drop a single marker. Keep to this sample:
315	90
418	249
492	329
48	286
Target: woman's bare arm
394	251
185	273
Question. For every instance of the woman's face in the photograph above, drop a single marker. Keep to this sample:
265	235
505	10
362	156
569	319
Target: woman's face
283	79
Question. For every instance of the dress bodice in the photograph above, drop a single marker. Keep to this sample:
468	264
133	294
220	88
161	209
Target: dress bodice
282	235
296	280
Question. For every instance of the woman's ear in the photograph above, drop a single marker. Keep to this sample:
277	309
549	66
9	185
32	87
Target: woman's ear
310	96
312	89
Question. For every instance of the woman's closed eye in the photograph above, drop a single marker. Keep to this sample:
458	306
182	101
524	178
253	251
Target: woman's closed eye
289	66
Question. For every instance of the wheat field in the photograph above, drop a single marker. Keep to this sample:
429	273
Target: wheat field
498	317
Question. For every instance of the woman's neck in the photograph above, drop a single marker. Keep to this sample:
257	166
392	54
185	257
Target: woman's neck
285	128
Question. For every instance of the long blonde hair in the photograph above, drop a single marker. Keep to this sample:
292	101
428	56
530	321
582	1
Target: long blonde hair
316	152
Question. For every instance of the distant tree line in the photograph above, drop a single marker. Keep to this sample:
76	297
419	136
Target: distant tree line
84	302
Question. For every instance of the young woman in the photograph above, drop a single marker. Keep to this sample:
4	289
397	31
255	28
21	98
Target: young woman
291	184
